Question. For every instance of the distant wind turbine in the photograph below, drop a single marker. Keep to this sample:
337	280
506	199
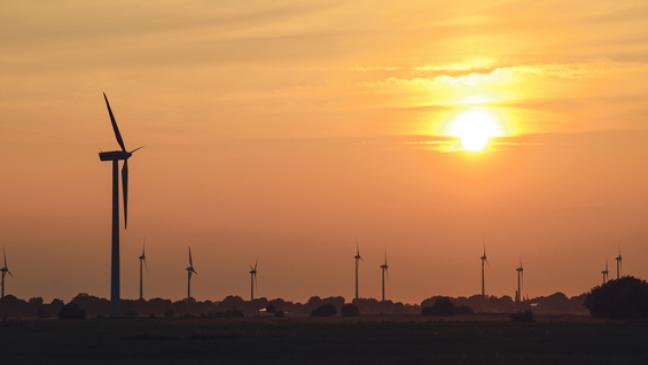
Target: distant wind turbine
520	283
190	271
142	264
357	258
484	260
253	279
384	269
115	157
619	265
605	273
5	270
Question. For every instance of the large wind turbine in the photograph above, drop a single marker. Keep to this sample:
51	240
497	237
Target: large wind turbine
384	269
142	263
357	258
605	273
190	271
619	265
115	157
520	283
5	270
253	279
484	260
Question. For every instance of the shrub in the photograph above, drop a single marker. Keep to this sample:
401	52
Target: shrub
234	314
169	313
350	310
443	306
623	298
42	313
324	310
71	311
522	316
131	314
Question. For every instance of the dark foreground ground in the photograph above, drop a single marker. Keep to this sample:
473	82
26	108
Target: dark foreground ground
376	340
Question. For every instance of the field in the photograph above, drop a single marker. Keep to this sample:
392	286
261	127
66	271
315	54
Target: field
367	340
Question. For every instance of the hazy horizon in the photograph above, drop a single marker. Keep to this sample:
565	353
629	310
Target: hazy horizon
284	131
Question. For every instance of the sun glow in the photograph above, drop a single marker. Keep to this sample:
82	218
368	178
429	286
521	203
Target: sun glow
474	129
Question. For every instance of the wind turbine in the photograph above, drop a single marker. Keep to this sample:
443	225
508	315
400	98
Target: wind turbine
115	157
357	258
484	260
605	273
142	264
384	268
5	270
619	265
190	271
520	282
253	279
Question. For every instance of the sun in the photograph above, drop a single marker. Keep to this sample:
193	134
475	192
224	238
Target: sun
474	129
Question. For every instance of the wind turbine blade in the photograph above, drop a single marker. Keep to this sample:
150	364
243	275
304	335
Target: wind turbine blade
4	254
125	191
256	263
137	149
10	273
114	125
190	258
145	265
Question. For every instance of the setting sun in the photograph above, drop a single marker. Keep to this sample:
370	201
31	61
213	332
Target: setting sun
474	129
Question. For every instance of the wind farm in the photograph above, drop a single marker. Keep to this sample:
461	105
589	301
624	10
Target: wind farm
418	182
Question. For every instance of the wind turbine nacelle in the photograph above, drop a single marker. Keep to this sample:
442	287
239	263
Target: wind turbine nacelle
114	155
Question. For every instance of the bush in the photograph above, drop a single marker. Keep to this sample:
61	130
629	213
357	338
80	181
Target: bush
324	310
169	313
71	311
131	314
42	313
234	314
623	298
443	306
522	316
350	310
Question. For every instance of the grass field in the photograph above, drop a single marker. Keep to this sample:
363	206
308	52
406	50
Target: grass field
367	340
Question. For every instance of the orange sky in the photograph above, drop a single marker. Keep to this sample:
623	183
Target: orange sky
284	130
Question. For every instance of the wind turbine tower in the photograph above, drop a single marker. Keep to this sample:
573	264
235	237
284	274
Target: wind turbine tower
619	265
253	279
605	273
357	258
484	260
190	271
5	270
520	283
384	268
142	264
115	157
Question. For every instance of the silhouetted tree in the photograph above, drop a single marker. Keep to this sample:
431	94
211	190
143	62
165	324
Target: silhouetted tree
350	310
71	311
623	298
325	310
443	306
